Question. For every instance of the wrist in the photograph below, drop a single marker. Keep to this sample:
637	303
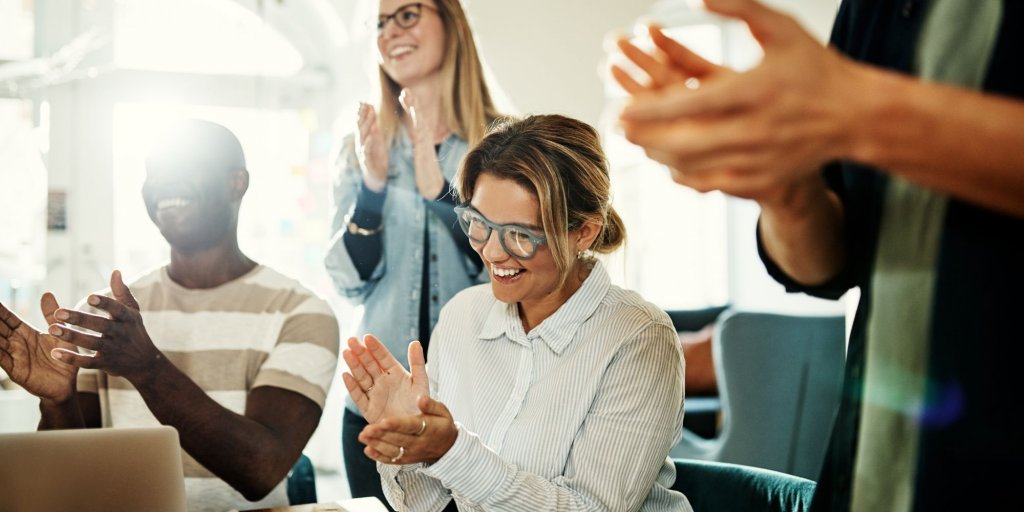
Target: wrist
151	374
374	184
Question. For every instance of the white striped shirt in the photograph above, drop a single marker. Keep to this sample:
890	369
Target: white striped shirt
577	414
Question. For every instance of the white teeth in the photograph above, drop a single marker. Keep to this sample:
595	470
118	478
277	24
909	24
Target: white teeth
173	202
398	51
505	272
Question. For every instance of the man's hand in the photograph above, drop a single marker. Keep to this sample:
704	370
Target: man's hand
755	134
25	354
378	384
122	345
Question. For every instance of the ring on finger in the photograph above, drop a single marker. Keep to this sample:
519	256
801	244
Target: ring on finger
423	426
401	453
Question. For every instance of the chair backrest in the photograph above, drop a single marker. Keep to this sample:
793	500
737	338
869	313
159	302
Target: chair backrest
736	488
302	482
779	377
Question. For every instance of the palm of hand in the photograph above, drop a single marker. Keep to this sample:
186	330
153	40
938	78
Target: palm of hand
394	394
32	367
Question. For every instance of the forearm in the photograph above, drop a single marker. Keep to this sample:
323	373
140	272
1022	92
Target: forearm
244	453
964	143
803	232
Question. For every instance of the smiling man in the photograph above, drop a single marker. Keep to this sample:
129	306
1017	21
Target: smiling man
234	355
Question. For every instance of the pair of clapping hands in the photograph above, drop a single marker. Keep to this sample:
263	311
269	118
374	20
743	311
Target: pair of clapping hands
406	426
46	363
762	134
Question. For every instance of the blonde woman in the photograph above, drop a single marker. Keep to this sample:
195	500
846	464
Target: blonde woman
396	246
549	388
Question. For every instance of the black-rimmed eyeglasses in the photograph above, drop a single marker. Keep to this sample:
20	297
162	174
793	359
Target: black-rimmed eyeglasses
406	16
517	240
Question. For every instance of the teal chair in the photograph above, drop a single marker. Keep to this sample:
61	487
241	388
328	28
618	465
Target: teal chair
779	379
718	486
301	483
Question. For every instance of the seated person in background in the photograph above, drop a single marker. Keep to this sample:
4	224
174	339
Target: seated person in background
568	389
237	357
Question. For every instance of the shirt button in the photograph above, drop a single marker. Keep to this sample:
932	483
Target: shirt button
434	298
433	257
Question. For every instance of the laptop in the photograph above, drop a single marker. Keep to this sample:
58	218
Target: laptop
86	470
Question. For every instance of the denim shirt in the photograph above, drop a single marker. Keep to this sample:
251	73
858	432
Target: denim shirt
391	295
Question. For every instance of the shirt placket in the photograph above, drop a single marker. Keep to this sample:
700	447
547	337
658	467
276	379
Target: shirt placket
523	377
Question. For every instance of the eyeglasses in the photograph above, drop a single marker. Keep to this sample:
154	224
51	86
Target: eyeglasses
518	241
406	16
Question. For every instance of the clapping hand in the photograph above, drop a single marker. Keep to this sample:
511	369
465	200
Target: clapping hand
26	354
410	439
379	385
373	156
755	134
429	179
122	345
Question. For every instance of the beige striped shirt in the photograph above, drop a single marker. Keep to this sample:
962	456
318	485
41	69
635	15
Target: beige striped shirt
262	329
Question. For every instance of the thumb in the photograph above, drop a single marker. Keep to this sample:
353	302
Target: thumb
417	363
121	291
769	27
431	407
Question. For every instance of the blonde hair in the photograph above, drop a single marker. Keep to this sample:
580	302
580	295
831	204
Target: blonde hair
561	161
467	106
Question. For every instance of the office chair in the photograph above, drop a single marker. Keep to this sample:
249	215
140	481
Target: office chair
779	379
301	484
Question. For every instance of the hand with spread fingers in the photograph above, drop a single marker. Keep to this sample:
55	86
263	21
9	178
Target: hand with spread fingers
122	345
26	355
410	439
377	382
370	149
429	179
752	134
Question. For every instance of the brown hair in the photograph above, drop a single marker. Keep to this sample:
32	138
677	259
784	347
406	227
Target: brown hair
561	161
468	108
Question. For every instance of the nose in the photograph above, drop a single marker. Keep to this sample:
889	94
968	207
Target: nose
492	251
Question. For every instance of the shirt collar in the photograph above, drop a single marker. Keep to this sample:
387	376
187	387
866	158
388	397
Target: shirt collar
559	329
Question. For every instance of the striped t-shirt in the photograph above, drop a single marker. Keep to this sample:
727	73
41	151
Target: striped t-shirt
262	329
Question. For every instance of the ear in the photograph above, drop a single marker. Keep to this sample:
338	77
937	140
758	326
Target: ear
239	184
587	233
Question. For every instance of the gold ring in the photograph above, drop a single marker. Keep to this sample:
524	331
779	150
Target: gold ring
423	426
401	453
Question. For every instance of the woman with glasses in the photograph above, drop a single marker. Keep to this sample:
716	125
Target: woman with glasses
549	388
396	247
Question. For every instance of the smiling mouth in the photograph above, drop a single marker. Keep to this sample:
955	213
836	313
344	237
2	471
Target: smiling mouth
506	274
400	51
173	202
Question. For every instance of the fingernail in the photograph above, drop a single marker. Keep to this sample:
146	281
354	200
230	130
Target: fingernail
94	300
56	331
56	354
61	315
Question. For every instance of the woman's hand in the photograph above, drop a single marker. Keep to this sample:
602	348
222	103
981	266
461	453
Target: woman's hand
411	439
373	156
429	179
378	384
